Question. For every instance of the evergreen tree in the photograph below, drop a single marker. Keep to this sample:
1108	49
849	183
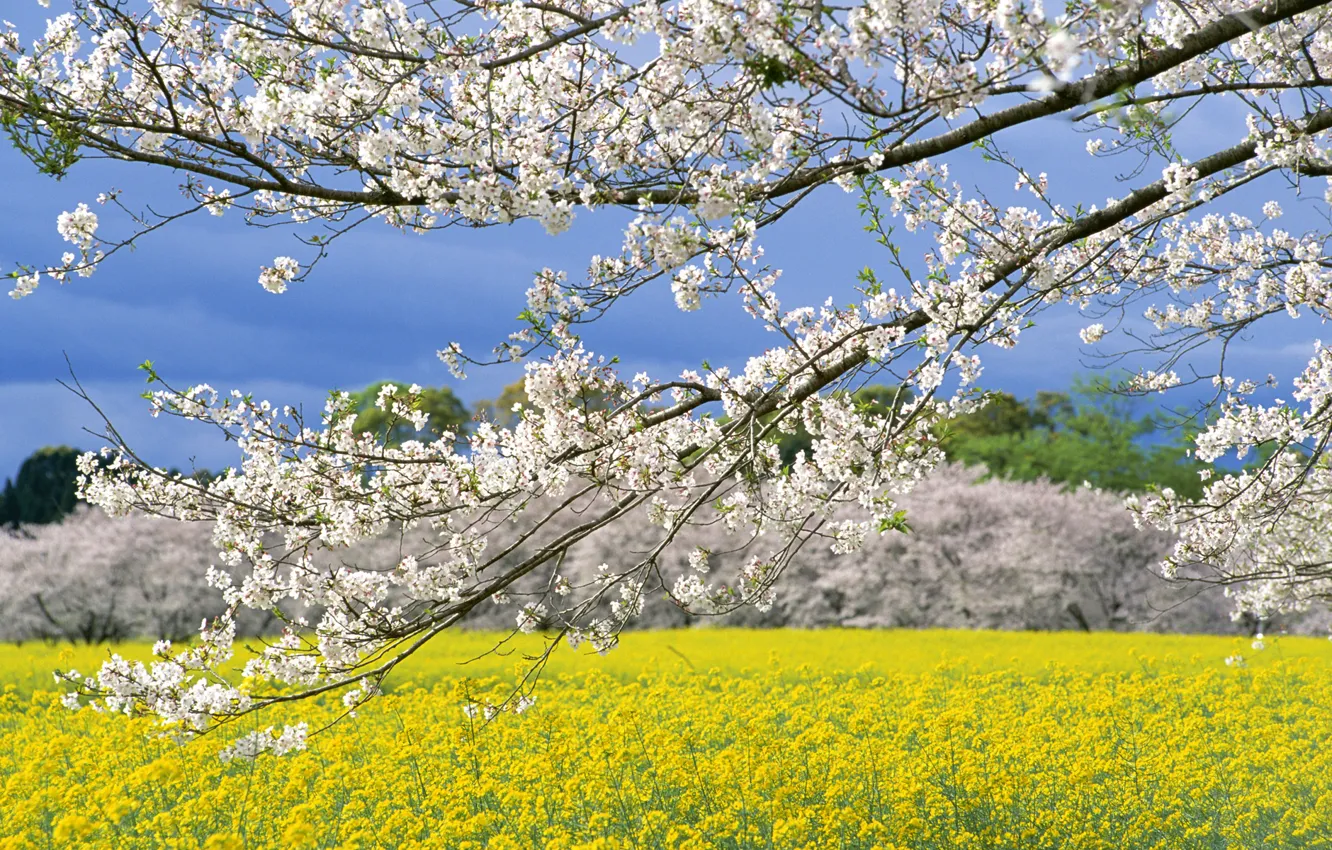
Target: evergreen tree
44	490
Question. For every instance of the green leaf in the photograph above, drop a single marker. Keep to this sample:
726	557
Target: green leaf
896	522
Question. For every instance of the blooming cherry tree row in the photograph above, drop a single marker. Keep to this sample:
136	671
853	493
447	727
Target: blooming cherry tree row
708	120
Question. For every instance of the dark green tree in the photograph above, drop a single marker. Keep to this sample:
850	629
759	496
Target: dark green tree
44	490
1005	414
878	398
1090	434
8	505
500	411
447	413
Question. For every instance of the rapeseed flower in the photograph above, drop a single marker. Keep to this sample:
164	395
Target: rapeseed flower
718	743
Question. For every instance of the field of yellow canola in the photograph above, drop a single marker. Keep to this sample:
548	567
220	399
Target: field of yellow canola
727	739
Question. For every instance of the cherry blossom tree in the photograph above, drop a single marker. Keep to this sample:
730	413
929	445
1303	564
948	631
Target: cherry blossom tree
982	553
94	579
708	121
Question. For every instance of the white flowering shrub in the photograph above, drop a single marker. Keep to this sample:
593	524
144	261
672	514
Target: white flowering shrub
980	554
1003	555
93	579
989	554
707	120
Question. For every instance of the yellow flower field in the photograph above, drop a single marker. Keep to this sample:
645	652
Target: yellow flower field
729	739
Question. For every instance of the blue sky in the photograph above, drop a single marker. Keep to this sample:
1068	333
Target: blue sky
384	302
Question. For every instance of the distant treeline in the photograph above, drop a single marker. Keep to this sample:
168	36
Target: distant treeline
989	554
1085	435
